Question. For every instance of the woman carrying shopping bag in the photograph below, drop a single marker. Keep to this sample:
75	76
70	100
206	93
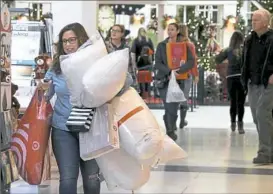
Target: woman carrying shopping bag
65	142
164	64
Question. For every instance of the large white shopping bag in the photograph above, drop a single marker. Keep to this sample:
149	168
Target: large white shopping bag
121	170
103	135
169	151
139	132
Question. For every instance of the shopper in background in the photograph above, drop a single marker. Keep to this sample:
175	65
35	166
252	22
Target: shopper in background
116	41
235	88
163	73
142	53
257	78
65	143
192	76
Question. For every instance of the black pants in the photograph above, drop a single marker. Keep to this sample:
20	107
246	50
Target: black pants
237	98
171	109
66	149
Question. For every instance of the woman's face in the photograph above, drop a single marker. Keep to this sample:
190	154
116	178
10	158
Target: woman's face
116	33
172	31
142	32
70	42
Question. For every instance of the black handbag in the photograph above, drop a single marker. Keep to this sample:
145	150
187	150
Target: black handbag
161	83
80	119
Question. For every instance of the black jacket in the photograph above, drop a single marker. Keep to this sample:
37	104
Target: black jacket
234	61
267	69
161	64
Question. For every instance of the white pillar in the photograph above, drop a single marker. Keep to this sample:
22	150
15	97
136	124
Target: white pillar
160	13
66	12
228	9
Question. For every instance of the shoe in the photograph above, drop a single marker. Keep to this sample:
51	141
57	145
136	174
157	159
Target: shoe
172	135
261	159
241	127
233	126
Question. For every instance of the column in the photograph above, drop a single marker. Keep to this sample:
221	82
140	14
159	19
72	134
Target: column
66	12
160	14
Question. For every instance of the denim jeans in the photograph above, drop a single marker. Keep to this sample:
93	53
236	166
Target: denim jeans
67	153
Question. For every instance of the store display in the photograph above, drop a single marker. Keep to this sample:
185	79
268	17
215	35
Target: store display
5	99
6	168
14	170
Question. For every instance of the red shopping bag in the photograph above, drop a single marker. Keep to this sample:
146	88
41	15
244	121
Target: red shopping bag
30	141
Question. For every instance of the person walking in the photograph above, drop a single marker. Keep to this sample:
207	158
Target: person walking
235	88
257	79
163	73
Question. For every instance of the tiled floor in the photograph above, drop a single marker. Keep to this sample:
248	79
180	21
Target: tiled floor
219	161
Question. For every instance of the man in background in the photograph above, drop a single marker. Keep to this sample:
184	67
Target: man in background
257	78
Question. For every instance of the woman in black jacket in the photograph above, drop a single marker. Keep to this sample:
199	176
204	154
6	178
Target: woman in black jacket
163	73
235	88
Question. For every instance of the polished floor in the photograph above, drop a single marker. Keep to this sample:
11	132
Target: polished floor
219	161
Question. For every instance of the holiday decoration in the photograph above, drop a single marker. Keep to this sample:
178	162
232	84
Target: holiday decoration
199	24
168	19
267	4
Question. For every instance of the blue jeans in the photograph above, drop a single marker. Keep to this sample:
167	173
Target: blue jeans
67	153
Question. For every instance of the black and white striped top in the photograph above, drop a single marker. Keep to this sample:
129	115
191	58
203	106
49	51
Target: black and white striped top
81	118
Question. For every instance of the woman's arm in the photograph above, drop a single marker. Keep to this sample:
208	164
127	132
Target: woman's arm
163	68
221	56
50	92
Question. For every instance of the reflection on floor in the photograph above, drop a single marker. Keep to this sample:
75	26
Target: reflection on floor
219	161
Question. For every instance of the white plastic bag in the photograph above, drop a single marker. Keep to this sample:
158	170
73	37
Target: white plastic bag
139	132
169	151
75	65
120	170
103	136
174	93
103	81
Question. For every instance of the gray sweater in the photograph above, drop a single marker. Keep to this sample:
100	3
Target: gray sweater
161	64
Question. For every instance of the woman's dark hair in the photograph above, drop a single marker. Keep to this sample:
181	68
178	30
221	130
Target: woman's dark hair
82	37
236	40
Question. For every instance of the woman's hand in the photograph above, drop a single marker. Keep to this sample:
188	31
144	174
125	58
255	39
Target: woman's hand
43	85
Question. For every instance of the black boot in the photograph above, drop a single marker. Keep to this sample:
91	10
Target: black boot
183	113
170	124
233	126
241	127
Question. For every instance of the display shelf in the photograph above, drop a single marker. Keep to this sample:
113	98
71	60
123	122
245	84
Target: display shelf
5	102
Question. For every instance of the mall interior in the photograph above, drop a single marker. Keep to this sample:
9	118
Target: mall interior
207	157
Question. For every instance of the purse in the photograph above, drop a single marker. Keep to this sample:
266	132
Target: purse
161	83
80	119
